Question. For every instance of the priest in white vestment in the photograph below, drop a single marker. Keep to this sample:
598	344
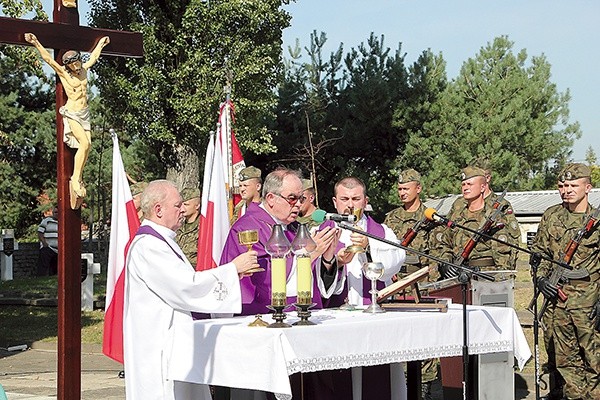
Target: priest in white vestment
342	280
162	288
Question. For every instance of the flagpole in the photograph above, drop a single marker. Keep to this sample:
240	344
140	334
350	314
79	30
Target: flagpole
227	109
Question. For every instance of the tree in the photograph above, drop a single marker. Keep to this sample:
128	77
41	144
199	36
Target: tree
170	98
502	114
27	139
427	81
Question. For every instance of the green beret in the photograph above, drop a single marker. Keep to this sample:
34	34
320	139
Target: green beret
190	193
307	184
138	188
249	173
574	171
470	172
409	175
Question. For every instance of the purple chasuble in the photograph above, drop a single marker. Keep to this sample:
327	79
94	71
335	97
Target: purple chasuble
256	289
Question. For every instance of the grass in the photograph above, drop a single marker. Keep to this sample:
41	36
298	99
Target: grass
27	324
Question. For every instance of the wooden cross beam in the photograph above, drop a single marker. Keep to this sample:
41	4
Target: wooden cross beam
66	34
82	38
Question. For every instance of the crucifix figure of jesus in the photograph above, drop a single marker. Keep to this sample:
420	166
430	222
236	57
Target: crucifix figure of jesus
75	112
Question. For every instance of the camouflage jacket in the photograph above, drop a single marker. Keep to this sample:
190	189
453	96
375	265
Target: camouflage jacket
400	221
453	241
187	239
556	229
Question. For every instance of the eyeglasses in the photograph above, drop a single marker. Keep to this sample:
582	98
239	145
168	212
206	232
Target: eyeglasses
292	199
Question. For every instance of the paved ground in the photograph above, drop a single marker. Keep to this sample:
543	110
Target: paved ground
31	375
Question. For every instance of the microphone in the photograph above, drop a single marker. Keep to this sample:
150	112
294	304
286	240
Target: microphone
432	215
320	216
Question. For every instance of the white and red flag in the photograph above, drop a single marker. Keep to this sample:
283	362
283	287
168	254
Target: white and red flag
214	215
123	226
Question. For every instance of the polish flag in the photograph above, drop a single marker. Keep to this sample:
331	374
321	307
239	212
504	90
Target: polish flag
214	217
123	226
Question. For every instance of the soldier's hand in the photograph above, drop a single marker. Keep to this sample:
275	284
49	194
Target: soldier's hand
448	271
546	288
595	316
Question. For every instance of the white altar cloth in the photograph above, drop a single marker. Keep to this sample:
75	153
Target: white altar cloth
226	352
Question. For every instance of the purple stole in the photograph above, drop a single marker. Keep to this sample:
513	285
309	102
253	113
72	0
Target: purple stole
148	230
373	228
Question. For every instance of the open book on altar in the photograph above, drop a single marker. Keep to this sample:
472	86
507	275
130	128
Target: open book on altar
406	282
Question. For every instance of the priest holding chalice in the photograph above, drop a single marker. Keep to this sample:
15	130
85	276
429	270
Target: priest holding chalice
342	282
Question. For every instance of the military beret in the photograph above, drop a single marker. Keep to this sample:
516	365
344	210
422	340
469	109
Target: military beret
249	173
138	188
574	171
409	175
470	172
307	184
190	193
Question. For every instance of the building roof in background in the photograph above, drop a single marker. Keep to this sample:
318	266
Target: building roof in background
523	203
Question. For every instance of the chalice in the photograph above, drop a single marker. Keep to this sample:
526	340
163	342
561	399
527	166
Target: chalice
248	238
373	271
355	248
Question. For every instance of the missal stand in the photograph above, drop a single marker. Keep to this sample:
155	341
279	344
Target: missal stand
414	303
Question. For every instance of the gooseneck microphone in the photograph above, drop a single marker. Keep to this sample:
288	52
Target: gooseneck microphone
320	216
432	215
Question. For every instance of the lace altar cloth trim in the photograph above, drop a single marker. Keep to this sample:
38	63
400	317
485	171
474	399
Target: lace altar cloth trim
356	360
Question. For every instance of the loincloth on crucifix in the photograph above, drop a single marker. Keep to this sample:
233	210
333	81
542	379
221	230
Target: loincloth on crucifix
82	117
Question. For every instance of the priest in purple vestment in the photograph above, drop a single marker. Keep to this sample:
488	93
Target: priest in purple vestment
282	196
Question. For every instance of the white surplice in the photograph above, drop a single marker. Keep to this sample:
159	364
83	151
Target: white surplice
160	290
390	256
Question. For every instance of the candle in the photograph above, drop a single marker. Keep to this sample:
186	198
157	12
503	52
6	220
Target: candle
304	278
278	279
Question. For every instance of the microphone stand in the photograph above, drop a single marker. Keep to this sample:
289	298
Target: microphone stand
452	224
479	274
534	263
464	278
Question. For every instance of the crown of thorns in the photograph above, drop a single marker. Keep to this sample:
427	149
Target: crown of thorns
70	57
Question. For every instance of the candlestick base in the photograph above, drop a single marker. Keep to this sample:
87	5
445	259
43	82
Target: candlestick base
278	316
304	314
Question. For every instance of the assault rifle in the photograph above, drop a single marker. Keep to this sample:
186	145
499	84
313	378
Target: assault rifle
556	277
488	224
411	233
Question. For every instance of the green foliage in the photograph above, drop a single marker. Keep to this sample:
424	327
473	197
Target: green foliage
347	105
500	113
27	144
172	95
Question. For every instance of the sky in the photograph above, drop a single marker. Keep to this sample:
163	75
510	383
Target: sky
567	32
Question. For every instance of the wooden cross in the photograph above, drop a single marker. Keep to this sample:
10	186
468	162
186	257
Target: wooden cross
66	34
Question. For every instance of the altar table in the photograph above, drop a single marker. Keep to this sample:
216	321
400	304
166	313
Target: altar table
226	352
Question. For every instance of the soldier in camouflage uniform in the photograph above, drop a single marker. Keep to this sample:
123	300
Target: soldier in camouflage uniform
575	322
400	220
187	235
250	185
308	206
472	211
